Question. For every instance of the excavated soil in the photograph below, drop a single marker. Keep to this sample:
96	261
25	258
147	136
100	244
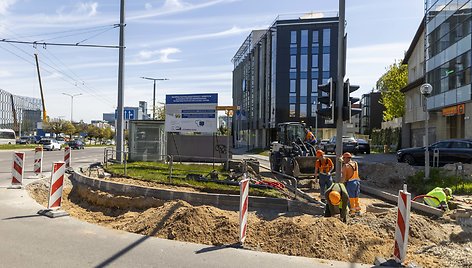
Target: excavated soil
364	237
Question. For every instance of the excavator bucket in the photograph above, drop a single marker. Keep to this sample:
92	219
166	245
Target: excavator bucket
304	166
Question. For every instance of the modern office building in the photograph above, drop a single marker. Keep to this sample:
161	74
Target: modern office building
277	72
371	113
448	58
19	113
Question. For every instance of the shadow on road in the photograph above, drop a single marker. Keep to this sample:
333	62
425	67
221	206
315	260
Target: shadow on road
21	217
141	240
214	248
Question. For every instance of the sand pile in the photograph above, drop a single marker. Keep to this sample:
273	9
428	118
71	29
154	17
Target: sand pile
364	238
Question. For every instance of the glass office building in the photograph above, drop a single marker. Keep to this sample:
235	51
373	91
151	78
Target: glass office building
19	113
448	65
277	72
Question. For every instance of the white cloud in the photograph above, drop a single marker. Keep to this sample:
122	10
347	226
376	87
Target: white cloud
163	55
225	33
89	8
5	73
148	6
5	5
174	6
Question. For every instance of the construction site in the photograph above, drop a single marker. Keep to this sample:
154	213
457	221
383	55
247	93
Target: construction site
434	241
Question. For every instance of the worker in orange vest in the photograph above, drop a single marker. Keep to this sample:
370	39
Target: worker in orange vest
310	137
323	168
350	177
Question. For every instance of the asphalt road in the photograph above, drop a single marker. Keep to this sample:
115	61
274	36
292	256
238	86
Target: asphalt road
29	240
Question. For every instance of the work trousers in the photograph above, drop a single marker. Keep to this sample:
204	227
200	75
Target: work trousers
325	182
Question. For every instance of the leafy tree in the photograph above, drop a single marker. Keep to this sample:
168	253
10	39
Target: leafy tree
68	128
161	113
57	126
390	85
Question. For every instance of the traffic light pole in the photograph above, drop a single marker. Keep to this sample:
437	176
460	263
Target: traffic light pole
340	91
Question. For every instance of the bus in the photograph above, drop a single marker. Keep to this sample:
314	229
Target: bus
7	136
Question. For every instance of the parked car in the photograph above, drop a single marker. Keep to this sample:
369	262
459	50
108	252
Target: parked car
363	146
50	144
449	151
323	144
76	144
26	140
61	140
349	145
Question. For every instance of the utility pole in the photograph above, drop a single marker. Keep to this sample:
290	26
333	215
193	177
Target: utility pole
154	94
339	90
120	108
72	104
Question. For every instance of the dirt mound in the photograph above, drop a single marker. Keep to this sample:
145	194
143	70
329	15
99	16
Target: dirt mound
361	240
389	176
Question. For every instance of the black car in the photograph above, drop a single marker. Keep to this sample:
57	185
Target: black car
27	140
449	151
363	146
76	144
349	145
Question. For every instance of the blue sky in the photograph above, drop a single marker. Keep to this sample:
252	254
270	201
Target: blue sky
191	42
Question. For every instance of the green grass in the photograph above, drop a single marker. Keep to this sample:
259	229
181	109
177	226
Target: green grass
260	151
440	178
17	146
159	172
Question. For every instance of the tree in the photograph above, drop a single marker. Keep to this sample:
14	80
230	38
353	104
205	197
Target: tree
389	86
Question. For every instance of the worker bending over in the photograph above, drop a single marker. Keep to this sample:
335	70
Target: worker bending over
337	200
439	198
323	168
350	176
310	137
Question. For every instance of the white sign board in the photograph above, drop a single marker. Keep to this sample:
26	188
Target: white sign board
191	113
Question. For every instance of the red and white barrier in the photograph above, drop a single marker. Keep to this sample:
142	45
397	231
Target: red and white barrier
17	169
67	156
56	185
243	207
38	160
403	225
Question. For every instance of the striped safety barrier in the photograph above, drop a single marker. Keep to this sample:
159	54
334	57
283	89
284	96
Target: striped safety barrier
17	169
243	207
67	156
55	185
38	160
403	225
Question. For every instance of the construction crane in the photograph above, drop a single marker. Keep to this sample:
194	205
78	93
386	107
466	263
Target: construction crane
41	89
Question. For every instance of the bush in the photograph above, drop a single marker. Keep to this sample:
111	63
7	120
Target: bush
438	178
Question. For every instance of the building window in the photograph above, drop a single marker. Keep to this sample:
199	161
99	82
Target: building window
326	37
326	63
292	110
303	63
303	110
293	86
314	62
293	37
293	61
304	38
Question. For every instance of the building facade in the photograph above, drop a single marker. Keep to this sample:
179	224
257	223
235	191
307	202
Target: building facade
448	58
19	113
371	113
276	76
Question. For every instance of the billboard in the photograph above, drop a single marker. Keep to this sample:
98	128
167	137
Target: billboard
191	113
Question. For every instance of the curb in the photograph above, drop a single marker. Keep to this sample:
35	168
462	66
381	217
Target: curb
222	201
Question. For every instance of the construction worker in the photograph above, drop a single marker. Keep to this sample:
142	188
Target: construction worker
323	168
350	176
337	198
310	137
439	198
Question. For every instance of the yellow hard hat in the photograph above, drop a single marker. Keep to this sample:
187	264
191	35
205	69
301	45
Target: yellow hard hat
319	153
334	198
347	155
448	191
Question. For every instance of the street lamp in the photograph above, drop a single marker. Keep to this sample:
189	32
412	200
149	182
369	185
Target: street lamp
154	93
72	103
426	90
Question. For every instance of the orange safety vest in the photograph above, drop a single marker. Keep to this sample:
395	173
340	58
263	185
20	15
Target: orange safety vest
324	166
309	136
355	168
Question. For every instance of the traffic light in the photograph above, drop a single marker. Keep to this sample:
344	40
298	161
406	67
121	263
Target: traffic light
330	88
348	101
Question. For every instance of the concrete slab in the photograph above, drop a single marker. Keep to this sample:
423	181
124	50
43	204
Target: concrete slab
53	213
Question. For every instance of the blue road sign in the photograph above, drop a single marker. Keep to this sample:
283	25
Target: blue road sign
129	114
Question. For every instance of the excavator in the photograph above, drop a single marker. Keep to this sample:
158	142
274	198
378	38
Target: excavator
290	154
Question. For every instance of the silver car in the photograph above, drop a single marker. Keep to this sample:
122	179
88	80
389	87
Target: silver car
50	144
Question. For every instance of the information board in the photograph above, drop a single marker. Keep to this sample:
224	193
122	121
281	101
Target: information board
191	113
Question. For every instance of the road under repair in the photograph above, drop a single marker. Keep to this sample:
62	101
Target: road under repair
433	243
